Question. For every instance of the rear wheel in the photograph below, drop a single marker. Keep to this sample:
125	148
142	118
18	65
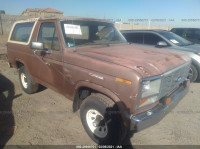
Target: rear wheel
193	73
101	119
28	85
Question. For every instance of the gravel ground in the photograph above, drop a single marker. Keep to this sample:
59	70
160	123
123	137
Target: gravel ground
46	118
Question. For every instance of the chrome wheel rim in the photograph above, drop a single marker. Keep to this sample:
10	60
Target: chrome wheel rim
96	123
24	80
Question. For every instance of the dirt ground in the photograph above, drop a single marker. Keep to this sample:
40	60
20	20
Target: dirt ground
3	40
46	118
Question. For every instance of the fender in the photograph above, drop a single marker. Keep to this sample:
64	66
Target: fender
197	65
122	107
98	88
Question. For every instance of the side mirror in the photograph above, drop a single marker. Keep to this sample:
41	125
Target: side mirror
37	45
161	44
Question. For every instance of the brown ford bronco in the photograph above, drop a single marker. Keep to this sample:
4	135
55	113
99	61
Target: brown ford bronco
118	87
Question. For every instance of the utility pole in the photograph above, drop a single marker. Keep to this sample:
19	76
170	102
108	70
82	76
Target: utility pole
1	25
1	12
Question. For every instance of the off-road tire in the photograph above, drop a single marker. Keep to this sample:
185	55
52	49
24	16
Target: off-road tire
108	109
27	84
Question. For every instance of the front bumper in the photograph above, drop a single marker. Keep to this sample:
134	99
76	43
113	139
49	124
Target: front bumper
154	115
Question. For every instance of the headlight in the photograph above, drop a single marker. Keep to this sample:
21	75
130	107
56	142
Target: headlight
150	92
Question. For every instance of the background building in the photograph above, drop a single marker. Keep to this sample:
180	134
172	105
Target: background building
49	12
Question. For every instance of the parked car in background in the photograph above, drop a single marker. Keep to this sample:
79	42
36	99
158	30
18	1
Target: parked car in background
118	87
167	40
191	34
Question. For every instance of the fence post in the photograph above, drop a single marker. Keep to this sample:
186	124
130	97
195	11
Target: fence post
1	24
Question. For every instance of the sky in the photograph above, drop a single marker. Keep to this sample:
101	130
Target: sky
171	13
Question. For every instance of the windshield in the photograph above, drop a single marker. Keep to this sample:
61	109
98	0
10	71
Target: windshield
84	33
175	39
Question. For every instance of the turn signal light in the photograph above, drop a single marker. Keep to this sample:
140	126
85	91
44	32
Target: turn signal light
123	81
187	83
142	101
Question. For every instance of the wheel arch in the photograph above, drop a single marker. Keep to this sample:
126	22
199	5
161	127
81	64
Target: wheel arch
83	89
19	62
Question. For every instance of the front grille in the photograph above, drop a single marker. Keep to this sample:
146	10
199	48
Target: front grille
173	78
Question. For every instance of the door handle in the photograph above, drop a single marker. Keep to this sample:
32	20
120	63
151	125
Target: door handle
43	52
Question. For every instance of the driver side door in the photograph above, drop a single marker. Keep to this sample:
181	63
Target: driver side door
51	67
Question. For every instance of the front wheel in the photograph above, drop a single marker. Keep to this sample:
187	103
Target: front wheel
101	119
193	73
28	85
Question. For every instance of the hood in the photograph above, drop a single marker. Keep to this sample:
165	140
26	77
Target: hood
195	48
145	60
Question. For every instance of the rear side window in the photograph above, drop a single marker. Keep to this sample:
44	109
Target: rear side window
22	31
197	34
134	37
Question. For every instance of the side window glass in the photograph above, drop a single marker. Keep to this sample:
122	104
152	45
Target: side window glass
178	31
189	34
197	34
22	32
134	37
151	39
48	36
